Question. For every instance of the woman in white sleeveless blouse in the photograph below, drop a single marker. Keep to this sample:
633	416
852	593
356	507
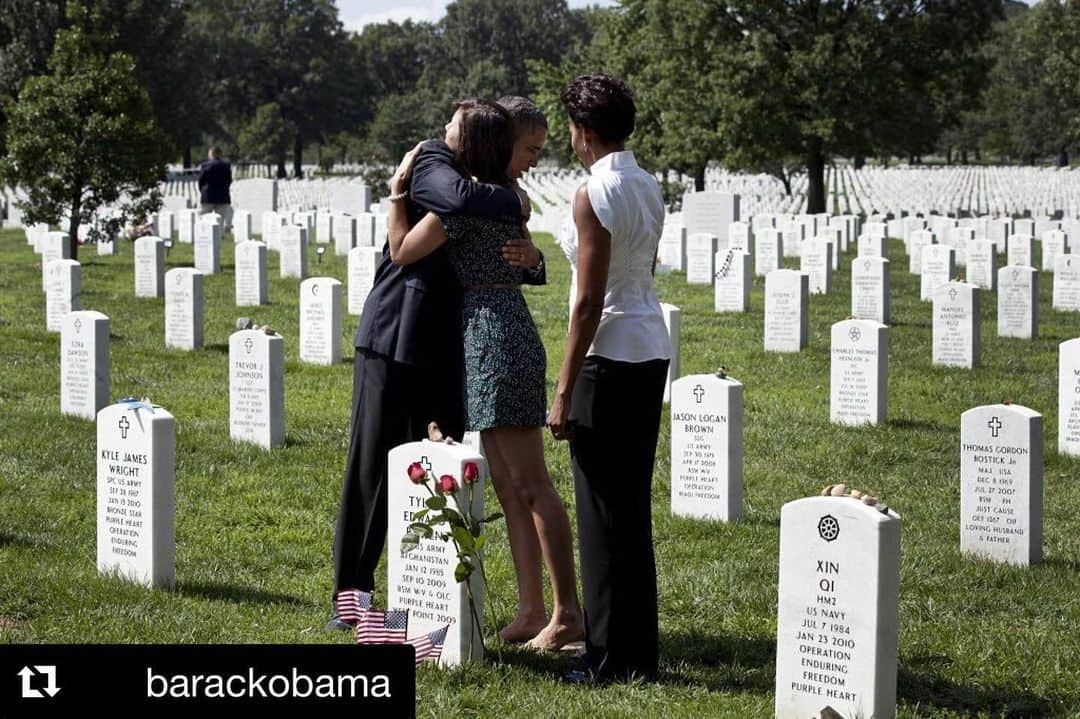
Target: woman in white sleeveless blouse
611	386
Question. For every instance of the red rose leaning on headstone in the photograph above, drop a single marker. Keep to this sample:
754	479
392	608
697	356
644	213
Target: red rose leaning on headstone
417	473
447	484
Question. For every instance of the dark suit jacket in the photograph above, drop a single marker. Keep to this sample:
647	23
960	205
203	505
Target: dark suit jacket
215	176
413	313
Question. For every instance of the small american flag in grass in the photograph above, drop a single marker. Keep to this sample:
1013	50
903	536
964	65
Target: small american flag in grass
430	645
377	627
351	604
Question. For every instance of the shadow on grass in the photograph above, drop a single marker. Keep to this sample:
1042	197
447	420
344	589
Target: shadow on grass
238	595
908	423
221	347
918	685
731	662
14	540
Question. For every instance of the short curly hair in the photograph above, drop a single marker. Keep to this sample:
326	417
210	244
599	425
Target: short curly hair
601	103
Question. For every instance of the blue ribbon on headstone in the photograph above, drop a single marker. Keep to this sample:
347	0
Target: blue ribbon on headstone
137	404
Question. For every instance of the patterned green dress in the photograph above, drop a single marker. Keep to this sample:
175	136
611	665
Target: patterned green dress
505	363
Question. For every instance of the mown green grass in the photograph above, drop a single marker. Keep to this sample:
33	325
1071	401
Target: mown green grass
254	529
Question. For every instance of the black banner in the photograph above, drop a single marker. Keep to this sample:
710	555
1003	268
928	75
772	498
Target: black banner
39	680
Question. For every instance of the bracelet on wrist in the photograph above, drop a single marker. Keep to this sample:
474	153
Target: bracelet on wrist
399	196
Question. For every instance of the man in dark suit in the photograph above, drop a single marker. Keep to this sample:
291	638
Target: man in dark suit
215	177
408	363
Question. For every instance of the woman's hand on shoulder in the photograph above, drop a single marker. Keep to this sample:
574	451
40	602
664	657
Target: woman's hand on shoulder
400	179
523	197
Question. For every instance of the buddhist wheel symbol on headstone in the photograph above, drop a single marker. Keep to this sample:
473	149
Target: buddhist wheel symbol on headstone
828	528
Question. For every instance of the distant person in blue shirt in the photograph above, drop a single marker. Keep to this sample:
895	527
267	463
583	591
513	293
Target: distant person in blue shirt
215	176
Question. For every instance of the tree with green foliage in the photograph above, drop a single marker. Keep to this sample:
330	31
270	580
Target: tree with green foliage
83	138
267	137
27	32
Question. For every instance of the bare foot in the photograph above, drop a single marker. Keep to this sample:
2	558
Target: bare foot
559	632
522	629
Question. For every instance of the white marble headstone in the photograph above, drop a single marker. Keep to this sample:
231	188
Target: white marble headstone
63	293
251	274
362	264
321	320
956	325
1067	283
731	289
149	267
917	240
84	363
769	253
207	247
257	388
186	220
938	268
859	375
1053	244
54	246
1001	478
324	228
673	322
184	306
1069	397
700	258
870	289
1019	252
365	230
710	212
241	226
1018	302
816	263
707	447
344	234
787	299
981	264
294	251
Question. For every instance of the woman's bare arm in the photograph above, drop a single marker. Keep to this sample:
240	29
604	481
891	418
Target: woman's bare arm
410	245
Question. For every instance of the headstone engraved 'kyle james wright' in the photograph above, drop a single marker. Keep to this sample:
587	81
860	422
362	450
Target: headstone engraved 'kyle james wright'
838	609
1001	483
859	375
706	447
423	580
257	388
84	363
321	321
136	450
1069	397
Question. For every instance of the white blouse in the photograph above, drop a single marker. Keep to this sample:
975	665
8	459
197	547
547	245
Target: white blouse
628	202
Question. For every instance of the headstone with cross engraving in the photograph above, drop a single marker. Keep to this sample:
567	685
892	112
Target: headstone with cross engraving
1001	483
136	464
769	252
321	320
1069	397
63	294
956	335
1053	245
207	247
816	263
1018	302
257	388
362	264
344	233
731	289
700	258
184	306
1066	295
859	374
706	447
251	275
870	289
838	609
938	267
673	322
84	363
981	264
871	245
787	300
149	267
423	580
1019	250
294	246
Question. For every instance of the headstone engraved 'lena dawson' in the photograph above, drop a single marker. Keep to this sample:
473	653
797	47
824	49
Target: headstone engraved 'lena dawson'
362	264
787	300
700	258
673	322
207	247
257	388
1067	283
321	321
859	375
184	308
1001	483
706	447
1069	397
84	363
731	288
422	581
956	335
294	251
136	464
1018	302
838	610
149	267
251	275
769	253
870	289
981	264
938	267
344	233
63	294
816	263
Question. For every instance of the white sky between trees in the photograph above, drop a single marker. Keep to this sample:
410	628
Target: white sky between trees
355	14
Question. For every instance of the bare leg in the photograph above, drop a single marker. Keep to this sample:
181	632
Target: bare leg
524	549
522	448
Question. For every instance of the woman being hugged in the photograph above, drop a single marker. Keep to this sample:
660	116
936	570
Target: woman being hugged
505	368
611	386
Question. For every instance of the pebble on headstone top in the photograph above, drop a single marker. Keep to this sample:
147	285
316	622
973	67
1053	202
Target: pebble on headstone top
1001	483
707	447
838	608
136	466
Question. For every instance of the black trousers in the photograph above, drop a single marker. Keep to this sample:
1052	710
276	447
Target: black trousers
392	404
616	410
